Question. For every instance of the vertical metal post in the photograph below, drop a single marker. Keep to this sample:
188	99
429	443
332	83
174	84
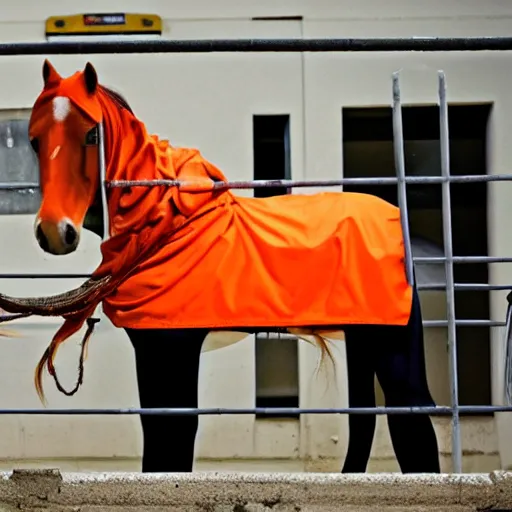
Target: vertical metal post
508	352
398	144
448	253
103	177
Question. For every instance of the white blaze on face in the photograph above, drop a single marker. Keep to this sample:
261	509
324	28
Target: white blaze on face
61	108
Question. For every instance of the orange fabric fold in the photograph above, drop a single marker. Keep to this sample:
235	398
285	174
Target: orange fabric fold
183	258
288	261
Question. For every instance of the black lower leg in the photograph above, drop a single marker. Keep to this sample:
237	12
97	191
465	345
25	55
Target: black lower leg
415	443
401	371
361	393
167	364
361	432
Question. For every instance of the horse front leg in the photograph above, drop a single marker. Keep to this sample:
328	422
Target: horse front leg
361	393
167	363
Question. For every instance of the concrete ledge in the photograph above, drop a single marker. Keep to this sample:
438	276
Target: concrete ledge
32	490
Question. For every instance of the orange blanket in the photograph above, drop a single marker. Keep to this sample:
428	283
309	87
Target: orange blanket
297	260
182	258
215	260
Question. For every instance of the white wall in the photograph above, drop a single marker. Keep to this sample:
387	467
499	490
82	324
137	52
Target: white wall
207	101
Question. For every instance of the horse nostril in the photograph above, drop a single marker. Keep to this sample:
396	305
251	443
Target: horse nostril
41	238
70	235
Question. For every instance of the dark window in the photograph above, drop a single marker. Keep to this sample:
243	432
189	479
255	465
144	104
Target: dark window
276	360
277	372
271	143
368	152
18	163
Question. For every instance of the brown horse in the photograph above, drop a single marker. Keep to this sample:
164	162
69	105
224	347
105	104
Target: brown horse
176	259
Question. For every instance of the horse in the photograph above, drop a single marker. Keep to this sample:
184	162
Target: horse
176	258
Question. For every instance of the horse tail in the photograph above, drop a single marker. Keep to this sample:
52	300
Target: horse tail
325	349
508	353
319	339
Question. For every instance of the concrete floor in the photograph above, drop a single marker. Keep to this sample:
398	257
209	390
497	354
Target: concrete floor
477	463
34	491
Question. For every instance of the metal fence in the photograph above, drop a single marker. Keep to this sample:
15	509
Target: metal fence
420	44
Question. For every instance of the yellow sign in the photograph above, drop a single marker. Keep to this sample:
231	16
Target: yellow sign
103	24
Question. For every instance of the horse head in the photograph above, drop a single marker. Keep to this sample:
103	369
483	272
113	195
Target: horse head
64	134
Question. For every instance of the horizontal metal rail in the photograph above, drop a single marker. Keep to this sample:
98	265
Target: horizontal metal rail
278	336
426	323
266	411
430	286
387	44
436	260
419	260
465	287
18	185
15	275
464	323
251	184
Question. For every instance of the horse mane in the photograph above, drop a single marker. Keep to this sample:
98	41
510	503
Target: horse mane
94	217
117	98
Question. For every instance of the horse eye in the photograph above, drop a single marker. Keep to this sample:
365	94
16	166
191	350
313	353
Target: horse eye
35	145
91	138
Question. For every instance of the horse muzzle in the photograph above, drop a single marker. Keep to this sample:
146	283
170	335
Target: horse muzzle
57	238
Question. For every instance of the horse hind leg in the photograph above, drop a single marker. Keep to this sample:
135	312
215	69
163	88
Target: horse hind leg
401	371
361	387
412	435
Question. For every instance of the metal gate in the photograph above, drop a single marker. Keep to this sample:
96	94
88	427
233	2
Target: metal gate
449	259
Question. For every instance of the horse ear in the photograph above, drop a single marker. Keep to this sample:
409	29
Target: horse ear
91	78
50	74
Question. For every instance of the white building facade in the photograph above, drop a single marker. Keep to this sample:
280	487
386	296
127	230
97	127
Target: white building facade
330	114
